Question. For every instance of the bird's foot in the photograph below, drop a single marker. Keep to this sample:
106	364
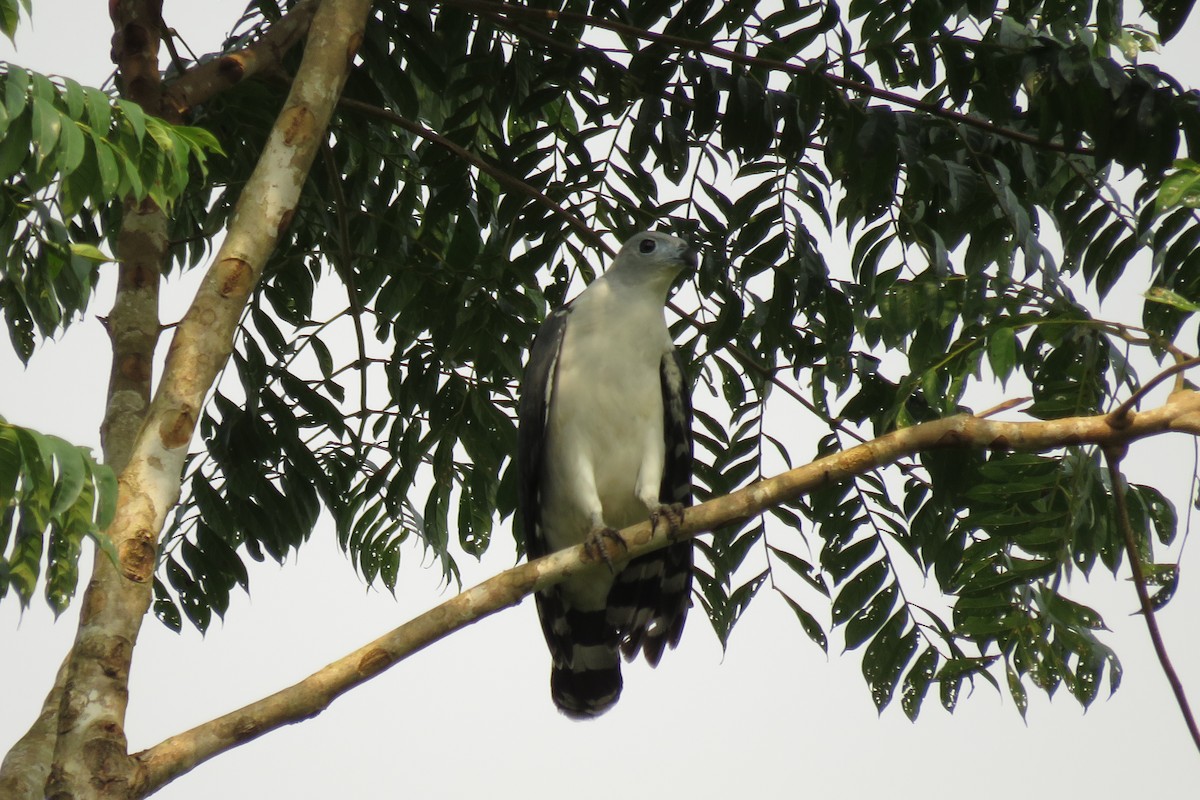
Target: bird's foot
605	544
672	513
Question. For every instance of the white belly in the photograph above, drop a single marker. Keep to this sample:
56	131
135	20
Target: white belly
606	425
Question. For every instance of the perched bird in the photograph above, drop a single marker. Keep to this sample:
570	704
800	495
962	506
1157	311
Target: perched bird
605	440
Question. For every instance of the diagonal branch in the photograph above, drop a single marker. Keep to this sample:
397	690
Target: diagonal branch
1119	414
1112	455
177	755
204	81
91	757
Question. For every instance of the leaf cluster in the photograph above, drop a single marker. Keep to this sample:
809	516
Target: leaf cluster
70	156
53	495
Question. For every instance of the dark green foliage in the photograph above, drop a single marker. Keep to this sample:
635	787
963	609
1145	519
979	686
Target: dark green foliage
953	145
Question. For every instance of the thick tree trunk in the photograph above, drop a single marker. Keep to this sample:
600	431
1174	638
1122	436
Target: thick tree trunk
133	327
90	747
91	758
77	748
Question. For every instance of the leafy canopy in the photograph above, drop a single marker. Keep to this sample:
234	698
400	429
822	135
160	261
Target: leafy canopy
964	152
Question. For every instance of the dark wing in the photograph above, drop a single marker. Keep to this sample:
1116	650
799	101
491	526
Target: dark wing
650	598
532	412
578	691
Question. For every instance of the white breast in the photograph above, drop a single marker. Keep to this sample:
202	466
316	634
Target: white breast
606	408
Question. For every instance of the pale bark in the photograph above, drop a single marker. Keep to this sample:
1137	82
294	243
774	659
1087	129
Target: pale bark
27	763
177	755
206	80
133	327
90	757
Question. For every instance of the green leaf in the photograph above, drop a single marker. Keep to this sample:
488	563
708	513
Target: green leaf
866	622
802	568
1160	294
886	657
809	623
854	594
916	683
10	466
71	474
165	609
47	125
99	111
106	163
72	150
9	16
1019	696
133	114
106	486
53	495
15	146
75	99
1179	189
16	90
90	252
1002	352
1169	14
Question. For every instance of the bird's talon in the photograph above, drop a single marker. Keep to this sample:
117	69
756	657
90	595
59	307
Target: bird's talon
599	547
673	513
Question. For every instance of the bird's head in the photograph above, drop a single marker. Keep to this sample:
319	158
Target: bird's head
655	258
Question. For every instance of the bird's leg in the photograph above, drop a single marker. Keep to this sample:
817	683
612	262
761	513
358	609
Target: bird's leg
672	512
599	545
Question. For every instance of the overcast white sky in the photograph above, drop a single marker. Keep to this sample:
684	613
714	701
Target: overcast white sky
471	716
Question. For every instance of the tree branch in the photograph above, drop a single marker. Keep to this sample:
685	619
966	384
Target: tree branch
91	759
204	81
177	755
1118	415
1112	455
27	764
88	726
133	329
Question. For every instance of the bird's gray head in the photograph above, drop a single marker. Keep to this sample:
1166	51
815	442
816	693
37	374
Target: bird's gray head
654	258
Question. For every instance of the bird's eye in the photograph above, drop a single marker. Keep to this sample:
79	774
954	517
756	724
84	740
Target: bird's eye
646	246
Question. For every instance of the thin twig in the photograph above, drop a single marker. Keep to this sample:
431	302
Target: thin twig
343	264
1002	407
1112	455
1118	416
